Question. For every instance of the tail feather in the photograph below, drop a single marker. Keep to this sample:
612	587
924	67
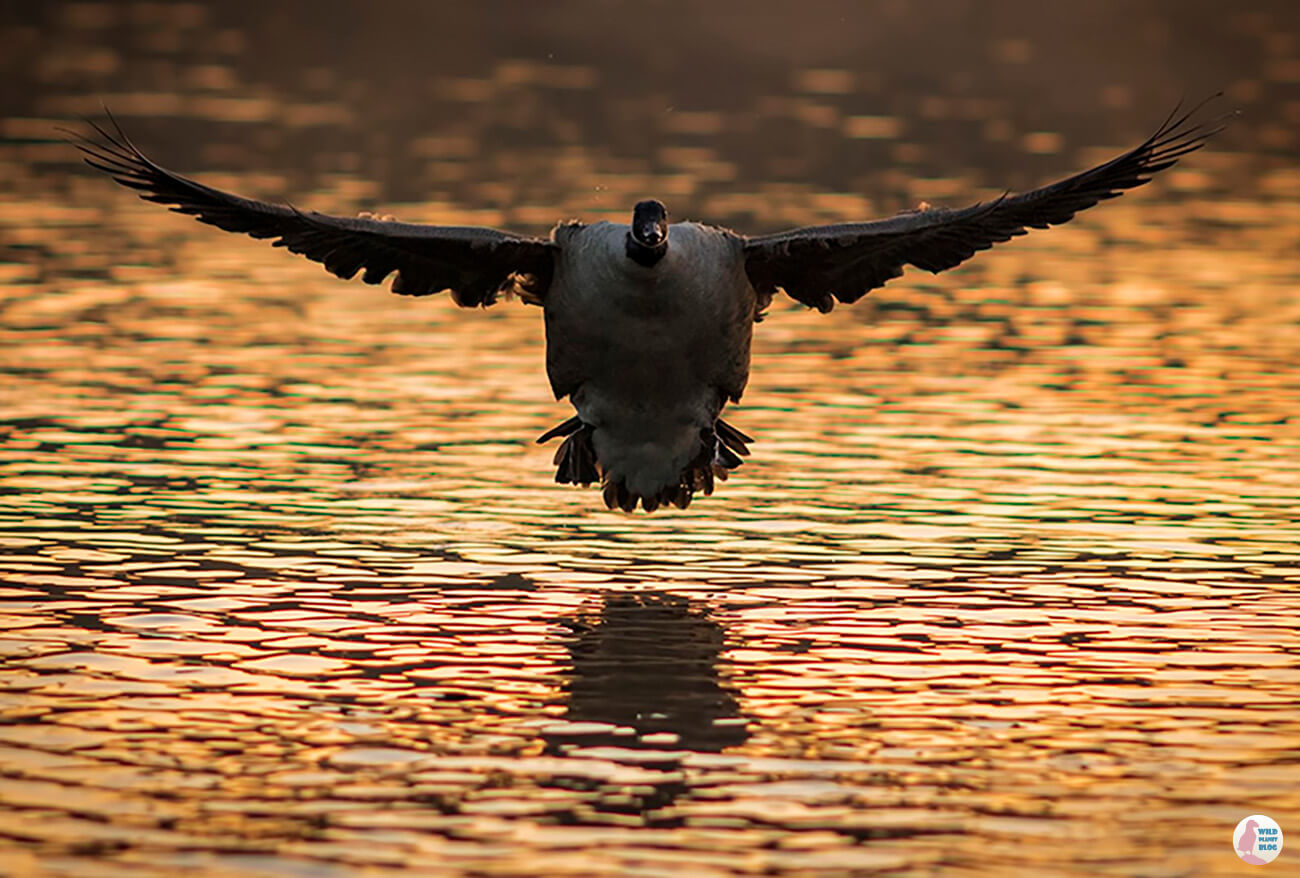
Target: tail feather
733	438
727	458
721	448
575	457
569	427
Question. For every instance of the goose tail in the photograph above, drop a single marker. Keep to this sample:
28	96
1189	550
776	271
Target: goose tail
721	449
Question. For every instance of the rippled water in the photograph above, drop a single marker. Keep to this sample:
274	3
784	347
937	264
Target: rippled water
1009	586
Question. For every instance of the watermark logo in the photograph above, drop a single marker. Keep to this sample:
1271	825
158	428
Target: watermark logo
1257	839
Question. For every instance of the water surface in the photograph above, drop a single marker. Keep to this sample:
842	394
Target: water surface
1009	585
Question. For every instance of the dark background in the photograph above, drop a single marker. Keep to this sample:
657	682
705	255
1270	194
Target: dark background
487	104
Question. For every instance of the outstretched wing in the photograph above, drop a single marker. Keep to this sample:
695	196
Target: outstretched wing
475	264
817	265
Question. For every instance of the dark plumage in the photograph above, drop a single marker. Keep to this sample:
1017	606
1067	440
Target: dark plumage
818	264
647	239
648	325
475	264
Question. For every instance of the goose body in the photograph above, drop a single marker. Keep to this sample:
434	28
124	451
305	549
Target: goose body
649	355
648	324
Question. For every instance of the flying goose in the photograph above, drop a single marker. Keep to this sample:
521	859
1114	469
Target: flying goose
648	324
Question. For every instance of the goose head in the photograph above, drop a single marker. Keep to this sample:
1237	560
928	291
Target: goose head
647	239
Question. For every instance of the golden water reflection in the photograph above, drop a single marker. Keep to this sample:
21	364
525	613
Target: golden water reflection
1009	585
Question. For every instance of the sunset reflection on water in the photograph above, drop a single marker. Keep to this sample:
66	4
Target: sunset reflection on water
1009	585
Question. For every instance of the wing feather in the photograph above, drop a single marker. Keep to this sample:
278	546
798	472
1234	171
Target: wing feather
820	264
475	264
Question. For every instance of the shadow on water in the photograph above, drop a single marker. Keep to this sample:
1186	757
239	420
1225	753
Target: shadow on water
648	664
646	677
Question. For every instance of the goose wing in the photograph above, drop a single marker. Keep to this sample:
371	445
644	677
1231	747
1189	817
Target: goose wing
819	264
475	264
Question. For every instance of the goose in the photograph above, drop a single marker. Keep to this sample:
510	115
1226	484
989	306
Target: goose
648	324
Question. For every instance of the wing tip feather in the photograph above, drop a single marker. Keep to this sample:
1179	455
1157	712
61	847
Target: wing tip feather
829	259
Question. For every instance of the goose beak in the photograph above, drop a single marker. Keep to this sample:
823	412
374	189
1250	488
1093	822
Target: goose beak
650	233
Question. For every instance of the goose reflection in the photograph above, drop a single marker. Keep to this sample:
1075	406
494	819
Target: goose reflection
647	669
